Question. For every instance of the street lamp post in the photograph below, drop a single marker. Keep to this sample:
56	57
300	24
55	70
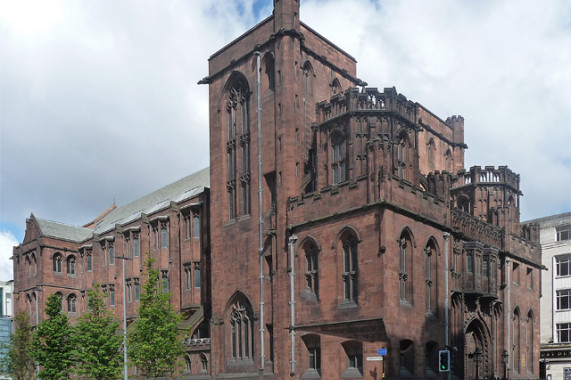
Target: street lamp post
125	368
477	355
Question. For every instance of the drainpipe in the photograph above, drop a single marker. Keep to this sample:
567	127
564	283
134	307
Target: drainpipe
260	214
446	293
508	311
292	240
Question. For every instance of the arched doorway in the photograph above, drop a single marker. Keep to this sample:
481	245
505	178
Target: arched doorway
476	351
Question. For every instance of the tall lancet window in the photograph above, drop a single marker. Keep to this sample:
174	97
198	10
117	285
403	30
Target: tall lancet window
238	148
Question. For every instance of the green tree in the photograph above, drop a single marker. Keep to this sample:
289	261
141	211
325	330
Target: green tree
18	361
52	344
155	343
98	347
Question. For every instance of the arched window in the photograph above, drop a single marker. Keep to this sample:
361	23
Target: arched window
336	87
71	303
516	337
307	78
338	156
405	267
34	264
448	159
430	276
188	363
111	255
56	260
530	341
431	154
203	363
270	71
29	304
196	225
313	345
71	265
164	237
402	156
350	274
242	329
238	163
312	268
354	352
60	296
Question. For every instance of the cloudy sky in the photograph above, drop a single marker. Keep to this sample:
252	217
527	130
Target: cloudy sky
99	101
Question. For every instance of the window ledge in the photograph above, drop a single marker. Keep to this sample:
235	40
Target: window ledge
311	374
352	373
347	304
309	295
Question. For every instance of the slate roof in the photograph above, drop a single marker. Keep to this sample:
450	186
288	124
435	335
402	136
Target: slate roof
160	199
63	231
178	191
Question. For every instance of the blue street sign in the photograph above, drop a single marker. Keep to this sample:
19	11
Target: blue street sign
382	351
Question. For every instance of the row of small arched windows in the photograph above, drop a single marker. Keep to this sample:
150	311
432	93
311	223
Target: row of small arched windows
70	263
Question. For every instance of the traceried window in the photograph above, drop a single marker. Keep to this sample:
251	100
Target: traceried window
307	78
564	299
196	225
402	156
71	265
238	148
187	227
242	329
350	273
111	295
165	281
71	303
111	255
56	261
563	265
164	237
136	246
564	232
339	162
197	275
89	262
137	289
405	265
430	276
312	268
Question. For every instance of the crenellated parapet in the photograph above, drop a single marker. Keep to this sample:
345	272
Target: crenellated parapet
366	101
488	175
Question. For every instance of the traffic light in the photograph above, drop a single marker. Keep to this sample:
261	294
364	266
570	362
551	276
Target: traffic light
444	360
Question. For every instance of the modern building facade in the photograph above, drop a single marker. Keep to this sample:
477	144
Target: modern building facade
338	220
6	316
555	239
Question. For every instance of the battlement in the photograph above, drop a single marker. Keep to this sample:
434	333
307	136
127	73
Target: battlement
366	99
488	175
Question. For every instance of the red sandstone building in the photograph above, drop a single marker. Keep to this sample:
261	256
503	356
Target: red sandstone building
337	220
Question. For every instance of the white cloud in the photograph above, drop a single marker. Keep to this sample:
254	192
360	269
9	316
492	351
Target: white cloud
7	242
99	99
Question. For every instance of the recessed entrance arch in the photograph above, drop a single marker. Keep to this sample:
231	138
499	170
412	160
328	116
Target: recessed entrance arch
476	340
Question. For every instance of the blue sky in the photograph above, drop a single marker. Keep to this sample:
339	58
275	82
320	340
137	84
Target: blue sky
99	101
